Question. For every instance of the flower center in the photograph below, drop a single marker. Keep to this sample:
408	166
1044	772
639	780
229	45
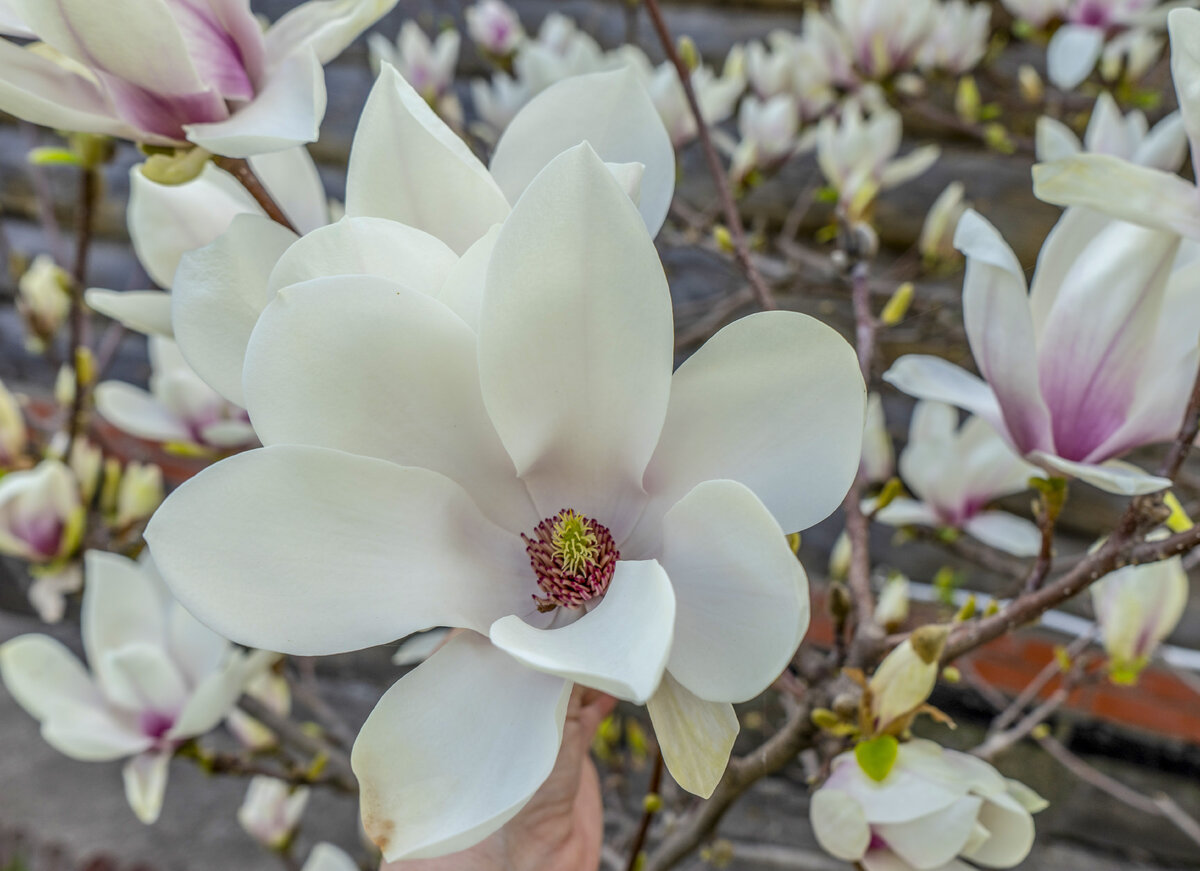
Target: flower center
573	557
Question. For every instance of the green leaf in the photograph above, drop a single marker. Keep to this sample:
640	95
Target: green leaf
877	756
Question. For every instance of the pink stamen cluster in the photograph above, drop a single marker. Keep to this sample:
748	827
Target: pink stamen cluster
563	577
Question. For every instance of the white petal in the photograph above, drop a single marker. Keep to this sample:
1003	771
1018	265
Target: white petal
741	595
933	378
612	112
1072	54
905	512
575	343
1055	140
463	290
292	179
197	649
696	737
145	777
342	552
619	647
143	311
367	246
1184	27
45	678
908	167
1165	146
1016	535
122	605
439	186
94	735
456	748
212	699
219	292
327	26
365	366
1012	832
327	857
284	114
417	648
138	413
40	91
141	677
774	401
839	825
1112	476
933	840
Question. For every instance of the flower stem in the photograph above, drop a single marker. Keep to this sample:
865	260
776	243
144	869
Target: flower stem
89	189
240	169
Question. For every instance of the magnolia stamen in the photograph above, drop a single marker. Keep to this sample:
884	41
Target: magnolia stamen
573	557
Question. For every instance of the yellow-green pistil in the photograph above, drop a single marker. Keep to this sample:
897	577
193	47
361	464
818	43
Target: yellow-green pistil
573	557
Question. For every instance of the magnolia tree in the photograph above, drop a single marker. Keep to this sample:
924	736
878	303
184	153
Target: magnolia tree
448	411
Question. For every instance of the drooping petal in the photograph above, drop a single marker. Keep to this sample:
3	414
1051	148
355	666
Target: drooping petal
1072	54
619	647
456	748
575	343
439	187
145	777
122	605
143	311
741	595
839	824
342	551
45	678
612	112
774	401
220	290
133	410
1184	27
1112	476
1005	531
696	737
1011	833
327	26
905	512
927	377
933	840
40	91
363	365
94	735
284	114
1000	330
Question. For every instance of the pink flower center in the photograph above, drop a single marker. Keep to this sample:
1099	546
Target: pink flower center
573	557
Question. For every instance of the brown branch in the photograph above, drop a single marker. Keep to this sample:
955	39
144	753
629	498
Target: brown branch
337	762
737	232
240	169
1051	670
1001	741
648	811
1188	430
89	189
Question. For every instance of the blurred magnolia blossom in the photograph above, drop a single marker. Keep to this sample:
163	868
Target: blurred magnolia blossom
327	857
769	135
270	688
178	409
417	215
958	39
14	436
885	37
165	221
1039	13
1137	607
1072	393
1130	55
1152	194
858	156
955	473
428	67
878	456
1125	136
206	74
795	66
44	300
892	608
158	678
560	51
1077	45
497	102
41	515
593	538
936	242
494	27
139	493
271	811
935	810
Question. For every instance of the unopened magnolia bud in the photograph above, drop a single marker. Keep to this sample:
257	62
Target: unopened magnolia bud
793	541
967	611
897	306
839	602
272	810
688	53
928	642
839	557
85	462
723	238
950	674
178	168
14	437
903	681
141	492
1031	85
652	803
823	718
64	386
888	494
997	137
967	100
1178	520
892	608
111	486
44	300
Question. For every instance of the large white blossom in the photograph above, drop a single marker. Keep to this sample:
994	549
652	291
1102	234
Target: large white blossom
494	27
535	475
174	72
1129	137
158	678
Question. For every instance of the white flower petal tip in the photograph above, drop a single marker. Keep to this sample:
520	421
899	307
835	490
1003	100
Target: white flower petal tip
1112	477
143	311
327	857
696	736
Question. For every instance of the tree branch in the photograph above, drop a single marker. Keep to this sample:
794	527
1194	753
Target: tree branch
240	169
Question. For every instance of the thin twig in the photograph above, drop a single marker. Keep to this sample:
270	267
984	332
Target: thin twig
240	169
1051	670
649	809
89	189
1188	430
1001	741
337	762
733	218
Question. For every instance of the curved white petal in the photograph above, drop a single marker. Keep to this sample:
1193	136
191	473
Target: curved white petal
456	748
122	605
839	824
138	413
1112	476
1055	140
143	311
325	26
40	91
1011	833
463	289
94	735
220	290
211	700
741	595
438	186
1009	533
928	377
774	401
904	512
141	677
197	649
45	678
292	179
619	647
695	736
1072	54
1184	27
575	343
309	551
933	840
145	778
362	365
612	112
327	857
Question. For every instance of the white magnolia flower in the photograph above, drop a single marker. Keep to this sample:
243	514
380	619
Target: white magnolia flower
878	462
174	72
1151	194
933	810
271	811
959	37
955	473
167	221
41	516
428	67
769	132
936	242
1137	607
536	476
1128	137
1039	13
885	37
179	408
44	300
769	65
440	192
1077	45
858	156
14	437
1071	393
494	26
1128	56
560	51
158	678
830	47
327	857
497	102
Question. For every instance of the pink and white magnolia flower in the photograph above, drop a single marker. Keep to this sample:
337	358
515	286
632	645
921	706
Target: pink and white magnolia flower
933	810
494	27
41	515
174	72
158	678
536	476
958	39
179	408
1096	360
271	811
769	133
1128	137
1077	45
427	66
792	65
1151	194
955	472
436	204
884	37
